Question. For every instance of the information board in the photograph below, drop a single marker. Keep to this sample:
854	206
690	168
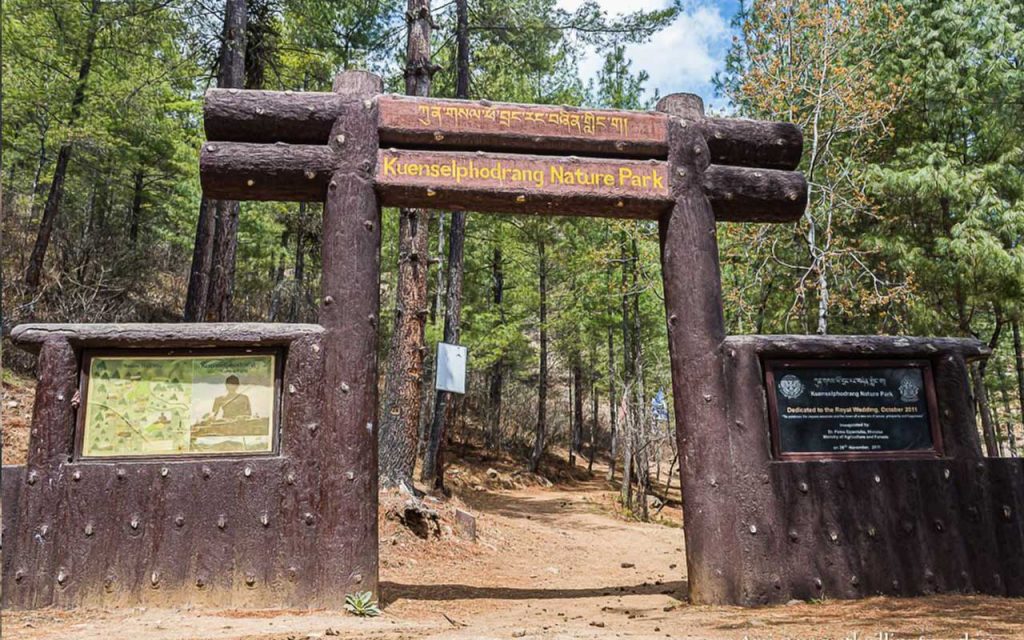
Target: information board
852	408
172	405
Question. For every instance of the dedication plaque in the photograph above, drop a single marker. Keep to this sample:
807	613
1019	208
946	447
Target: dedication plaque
172	405
852	408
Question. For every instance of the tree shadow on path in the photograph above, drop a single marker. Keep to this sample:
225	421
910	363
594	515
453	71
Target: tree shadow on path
392	592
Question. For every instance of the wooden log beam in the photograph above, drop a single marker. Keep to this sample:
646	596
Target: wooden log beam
306	117
233	115
739	194
801	346
753	143
512	183
246	171
156	335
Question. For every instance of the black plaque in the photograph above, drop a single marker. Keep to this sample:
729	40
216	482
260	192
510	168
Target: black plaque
852	408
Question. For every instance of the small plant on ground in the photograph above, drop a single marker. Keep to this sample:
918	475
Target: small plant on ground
362	604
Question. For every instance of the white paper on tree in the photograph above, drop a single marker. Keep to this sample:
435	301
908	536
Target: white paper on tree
451	368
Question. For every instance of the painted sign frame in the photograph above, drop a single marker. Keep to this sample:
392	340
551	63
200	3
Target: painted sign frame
277	356
773	365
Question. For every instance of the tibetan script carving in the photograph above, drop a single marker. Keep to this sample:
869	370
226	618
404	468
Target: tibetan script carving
464	123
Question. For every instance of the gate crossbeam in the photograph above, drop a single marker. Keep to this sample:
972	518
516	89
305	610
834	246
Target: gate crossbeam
267	145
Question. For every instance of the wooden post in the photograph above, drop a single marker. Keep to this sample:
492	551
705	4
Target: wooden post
696	331
52	433
347	552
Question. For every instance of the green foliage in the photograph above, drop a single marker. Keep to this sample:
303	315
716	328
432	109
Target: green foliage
914	150
816	64
363	604
950	176
133	169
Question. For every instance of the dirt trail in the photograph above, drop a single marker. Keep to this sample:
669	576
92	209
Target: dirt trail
549	563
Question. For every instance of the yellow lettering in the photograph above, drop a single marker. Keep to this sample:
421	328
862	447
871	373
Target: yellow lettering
625	175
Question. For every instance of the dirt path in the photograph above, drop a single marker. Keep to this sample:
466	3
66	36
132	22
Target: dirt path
549	563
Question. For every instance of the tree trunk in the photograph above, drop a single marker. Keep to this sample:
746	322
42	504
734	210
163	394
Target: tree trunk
277	277
225	235
399	425
433	459
1018	356
613	409
225	248
300	265
571	431
87	235
462	49
989	426
497	372
981	398
593	420
626	484
629	427
627	346
37	177
542	384
211	278
1007	409
202	253
34	272
443	402
399	428
577	407
135	217
641	463
435	309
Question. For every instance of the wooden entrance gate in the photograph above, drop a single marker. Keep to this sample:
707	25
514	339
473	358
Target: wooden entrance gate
758	528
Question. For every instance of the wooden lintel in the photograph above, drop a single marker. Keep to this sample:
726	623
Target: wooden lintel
499	182
511	183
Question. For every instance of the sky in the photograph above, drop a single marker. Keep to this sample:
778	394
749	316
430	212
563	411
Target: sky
681	58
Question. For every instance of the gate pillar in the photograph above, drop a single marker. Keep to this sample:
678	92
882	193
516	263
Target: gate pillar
349	315
696	333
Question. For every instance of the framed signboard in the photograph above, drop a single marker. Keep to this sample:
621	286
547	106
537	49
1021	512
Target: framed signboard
824	409
203	402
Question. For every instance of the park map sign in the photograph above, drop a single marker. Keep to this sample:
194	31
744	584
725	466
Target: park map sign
159	405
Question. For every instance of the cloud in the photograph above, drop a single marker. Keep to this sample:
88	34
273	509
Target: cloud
682	57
